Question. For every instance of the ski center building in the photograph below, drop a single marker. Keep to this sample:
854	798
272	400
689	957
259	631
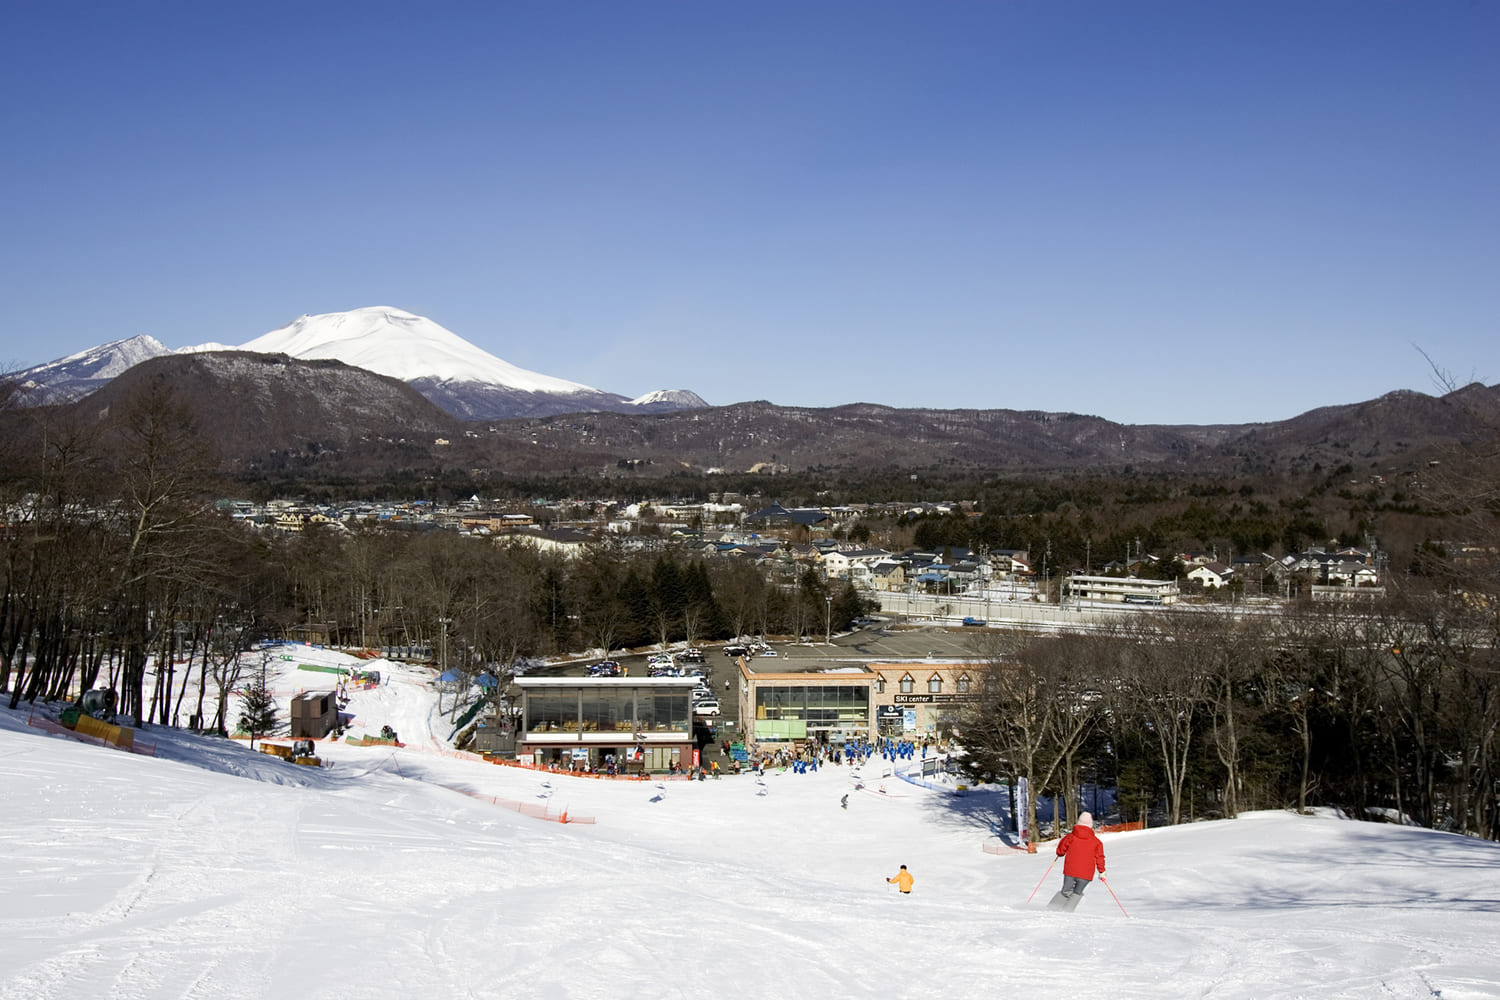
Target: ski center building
922	698
822	703
827	703
641	722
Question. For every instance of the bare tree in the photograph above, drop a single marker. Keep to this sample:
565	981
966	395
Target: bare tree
1166	685
1038	700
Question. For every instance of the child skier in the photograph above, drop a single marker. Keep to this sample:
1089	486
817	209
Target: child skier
1082	852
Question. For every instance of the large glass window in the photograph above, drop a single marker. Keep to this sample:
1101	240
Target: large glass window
819	705
665	713
608	711
548	712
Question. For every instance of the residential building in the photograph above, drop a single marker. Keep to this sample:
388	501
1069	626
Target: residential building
1120	589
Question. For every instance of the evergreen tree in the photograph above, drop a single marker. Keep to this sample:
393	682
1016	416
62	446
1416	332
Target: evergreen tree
258	710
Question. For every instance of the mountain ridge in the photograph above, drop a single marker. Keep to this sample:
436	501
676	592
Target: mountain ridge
463	379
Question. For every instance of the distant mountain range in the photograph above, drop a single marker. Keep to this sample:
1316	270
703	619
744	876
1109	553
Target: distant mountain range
462	379
272	415
374	390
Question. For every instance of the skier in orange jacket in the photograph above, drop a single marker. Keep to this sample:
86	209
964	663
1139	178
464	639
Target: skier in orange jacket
1082	852
903	880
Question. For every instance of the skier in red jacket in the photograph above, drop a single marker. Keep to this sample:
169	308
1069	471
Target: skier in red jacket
1082	852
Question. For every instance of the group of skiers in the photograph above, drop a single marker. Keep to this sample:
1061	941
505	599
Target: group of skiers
894	750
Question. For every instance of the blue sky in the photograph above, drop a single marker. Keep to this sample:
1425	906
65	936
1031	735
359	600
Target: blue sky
1179	212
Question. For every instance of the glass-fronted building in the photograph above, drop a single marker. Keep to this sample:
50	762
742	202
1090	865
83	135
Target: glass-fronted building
643	723
818	705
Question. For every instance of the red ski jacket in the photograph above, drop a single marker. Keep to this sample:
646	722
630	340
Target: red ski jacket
1083	852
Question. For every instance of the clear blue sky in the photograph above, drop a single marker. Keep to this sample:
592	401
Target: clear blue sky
1183	212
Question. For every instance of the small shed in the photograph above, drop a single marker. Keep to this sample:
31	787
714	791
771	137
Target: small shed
315	714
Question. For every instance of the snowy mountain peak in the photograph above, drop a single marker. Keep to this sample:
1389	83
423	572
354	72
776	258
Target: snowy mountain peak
679	399
110	359
77	375
403	345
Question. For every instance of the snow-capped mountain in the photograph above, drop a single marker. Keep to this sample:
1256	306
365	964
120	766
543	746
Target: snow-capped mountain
669	399
463	379
402	345
77	375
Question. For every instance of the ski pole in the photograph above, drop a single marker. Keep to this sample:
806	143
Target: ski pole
1044	878
1112	893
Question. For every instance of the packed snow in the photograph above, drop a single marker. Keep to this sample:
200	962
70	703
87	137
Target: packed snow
402	345
210	870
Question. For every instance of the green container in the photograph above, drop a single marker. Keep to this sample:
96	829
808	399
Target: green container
69	718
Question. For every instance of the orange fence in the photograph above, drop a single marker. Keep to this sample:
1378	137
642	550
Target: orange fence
588	774
526	808
997	847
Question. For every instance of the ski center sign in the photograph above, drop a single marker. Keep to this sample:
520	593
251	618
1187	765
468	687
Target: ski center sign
931	699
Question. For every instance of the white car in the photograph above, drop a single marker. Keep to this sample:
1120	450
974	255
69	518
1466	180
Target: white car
707	706
768	651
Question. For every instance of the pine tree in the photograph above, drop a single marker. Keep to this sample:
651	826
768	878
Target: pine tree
258	708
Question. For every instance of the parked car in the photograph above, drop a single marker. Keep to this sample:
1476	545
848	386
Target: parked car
768	651
690	656
975	621
735	650
707	706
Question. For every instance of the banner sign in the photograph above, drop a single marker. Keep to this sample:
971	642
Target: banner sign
932	699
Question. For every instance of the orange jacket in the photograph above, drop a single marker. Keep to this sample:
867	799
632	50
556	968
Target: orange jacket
903	879
1083	852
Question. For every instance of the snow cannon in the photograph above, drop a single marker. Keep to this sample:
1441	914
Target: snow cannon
100	703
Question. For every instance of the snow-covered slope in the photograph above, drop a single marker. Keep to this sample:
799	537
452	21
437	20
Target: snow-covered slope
77	375
212	871
403	345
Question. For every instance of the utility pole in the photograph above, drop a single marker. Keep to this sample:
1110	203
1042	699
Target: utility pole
443	663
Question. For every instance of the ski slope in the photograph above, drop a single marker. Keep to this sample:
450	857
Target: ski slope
209	871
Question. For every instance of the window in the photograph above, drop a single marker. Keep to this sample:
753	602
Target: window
552	711
608	711
880	683
963	684
667	713
908	683
935	684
